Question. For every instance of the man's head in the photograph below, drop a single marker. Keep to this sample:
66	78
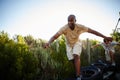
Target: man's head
71	21
106	41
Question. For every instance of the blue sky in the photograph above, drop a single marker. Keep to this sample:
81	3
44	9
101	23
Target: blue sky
42	18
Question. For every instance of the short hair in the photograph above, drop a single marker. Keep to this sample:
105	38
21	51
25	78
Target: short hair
105	40
72	15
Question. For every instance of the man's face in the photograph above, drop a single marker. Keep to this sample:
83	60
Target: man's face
71	22
107	42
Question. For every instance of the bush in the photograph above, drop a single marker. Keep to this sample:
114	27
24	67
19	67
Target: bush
16	61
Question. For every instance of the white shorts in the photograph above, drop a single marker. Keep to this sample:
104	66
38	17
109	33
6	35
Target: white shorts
107	55
76	49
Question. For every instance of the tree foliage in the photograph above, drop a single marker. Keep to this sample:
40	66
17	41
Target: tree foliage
16	60
116	36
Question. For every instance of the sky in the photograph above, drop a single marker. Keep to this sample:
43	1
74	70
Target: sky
43	18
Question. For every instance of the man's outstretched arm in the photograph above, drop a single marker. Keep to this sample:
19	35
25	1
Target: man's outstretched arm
99	34
51	40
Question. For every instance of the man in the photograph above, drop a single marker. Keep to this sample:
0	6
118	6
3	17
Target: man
109	49
72	31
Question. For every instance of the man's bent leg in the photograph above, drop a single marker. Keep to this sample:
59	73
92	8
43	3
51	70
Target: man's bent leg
77	64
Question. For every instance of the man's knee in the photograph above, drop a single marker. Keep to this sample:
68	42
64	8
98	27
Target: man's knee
76	56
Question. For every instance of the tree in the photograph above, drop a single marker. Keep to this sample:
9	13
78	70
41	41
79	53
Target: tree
116	36
19	39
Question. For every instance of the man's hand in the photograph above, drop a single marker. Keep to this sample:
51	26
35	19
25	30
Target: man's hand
92	47
109	38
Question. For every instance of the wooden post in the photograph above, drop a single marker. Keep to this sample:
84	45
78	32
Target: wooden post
88	50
